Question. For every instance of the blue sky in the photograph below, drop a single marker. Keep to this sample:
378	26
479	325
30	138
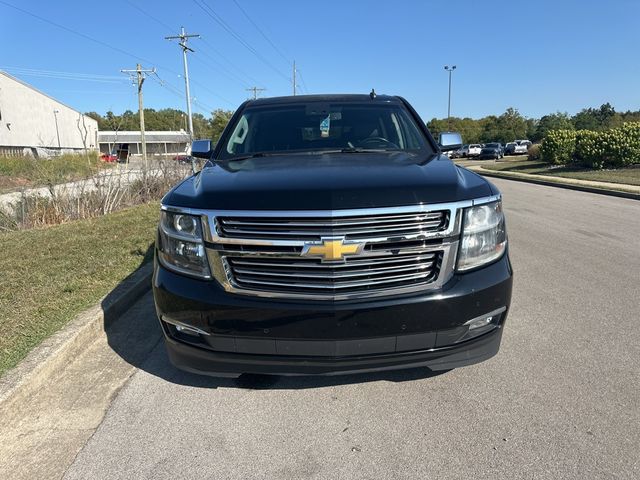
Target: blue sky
538	57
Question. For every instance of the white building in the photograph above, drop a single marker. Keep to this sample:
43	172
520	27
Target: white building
32	122
158	143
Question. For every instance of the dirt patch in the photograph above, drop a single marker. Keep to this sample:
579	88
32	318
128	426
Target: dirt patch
8	184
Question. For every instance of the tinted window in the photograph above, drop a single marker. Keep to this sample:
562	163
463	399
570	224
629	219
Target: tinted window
318	126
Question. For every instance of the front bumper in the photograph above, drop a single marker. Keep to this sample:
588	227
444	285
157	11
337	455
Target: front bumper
234	334
224	364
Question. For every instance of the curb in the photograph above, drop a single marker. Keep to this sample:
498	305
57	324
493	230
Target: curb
54	352
568	186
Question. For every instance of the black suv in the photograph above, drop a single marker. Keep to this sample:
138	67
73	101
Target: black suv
329	234
491	151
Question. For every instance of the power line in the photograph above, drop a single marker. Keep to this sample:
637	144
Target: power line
229	74
220	69
92	77
168	27
203	107
207	89
147	14
264	35
220	21
104	44
75	32
219	54
304	84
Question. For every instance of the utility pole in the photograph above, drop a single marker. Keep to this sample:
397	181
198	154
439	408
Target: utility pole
184	37
294	78
139	78
450	70
255	91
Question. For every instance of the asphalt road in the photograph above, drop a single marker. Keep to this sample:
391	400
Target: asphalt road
560	400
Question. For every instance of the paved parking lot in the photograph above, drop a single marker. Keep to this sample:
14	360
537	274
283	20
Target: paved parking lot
559	401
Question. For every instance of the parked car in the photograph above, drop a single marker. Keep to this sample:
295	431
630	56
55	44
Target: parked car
329	234
455	153
183	158
109	157
491	150
462	152
512	148
474	150
520	149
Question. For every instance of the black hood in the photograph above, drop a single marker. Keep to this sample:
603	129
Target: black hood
328	182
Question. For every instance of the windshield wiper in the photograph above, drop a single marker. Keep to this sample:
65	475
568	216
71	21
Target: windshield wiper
364	150
253	155
311	152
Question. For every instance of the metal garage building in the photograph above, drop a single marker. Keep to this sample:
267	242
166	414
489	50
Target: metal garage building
158	143
32	122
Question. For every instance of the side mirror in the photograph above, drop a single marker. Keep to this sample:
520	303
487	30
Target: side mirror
450	141
201	149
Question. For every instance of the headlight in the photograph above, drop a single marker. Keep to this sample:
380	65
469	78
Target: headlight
484	238
180	244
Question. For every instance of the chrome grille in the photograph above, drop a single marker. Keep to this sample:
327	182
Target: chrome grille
406	249
297	275
351	227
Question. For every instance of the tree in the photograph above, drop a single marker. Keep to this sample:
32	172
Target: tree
553	121
467	127
511	126
602	118
490	129
96	116
219	120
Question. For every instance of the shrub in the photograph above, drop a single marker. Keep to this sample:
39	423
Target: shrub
614	148
44	171
558	147
90	198
534	152
623	145
590	148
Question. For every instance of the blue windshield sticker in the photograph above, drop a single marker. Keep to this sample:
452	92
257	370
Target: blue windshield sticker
324	126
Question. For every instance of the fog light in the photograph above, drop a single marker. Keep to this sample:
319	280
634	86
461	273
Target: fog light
483	324
479	322
184	328
187	330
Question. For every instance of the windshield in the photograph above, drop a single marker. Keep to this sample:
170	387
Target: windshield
318	127
491	145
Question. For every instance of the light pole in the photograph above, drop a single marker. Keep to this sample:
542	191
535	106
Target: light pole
450	70
55	116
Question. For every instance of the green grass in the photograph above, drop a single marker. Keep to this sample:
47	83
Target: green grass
50	275
16	172
629	176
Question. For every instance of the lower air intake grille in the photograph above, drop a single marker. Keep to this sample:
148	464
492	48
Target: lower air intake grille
373	272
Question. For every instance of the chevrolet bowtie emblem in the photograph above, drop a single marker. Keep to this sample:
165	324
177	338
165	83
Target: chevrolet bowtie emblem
332	249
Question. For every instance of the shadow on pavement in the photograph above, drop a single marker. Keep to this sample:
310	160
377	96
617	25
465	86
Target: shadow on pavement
136	337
